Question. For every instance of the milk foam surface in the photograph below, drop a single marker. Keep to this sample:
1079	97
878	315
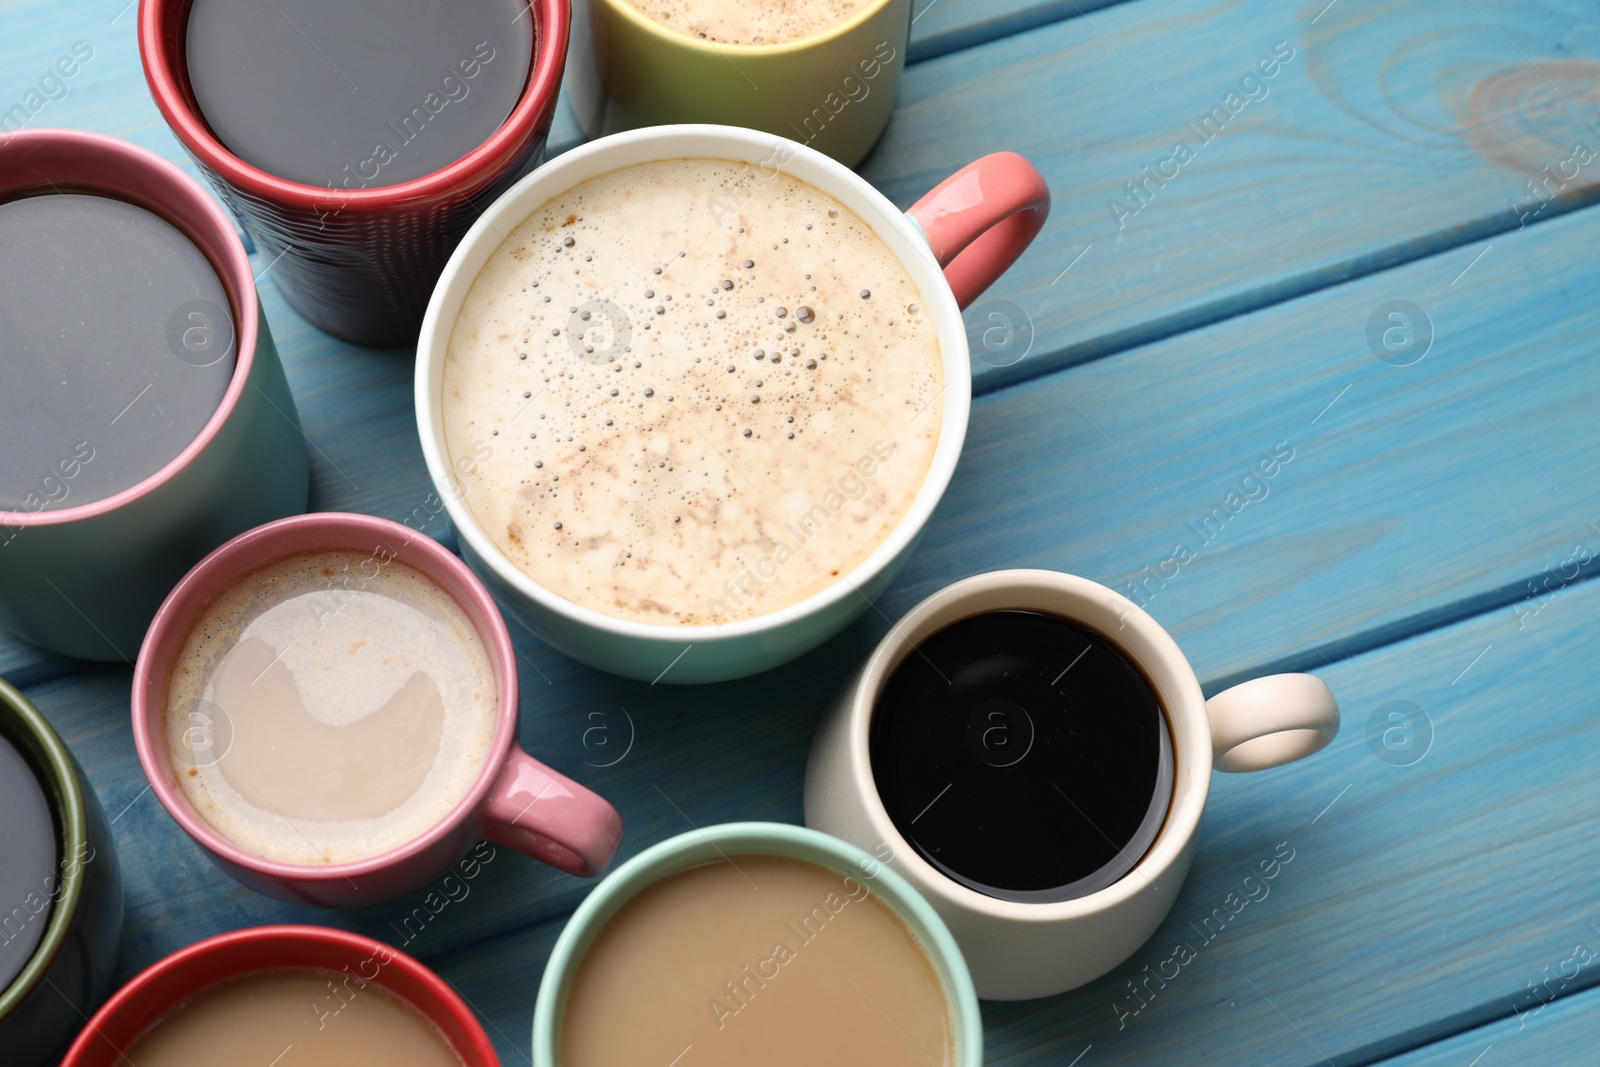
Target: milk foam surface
329	707
749	21
691	392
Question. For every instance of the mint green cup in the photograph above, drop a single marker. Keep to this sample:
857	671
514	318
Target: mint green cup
732	840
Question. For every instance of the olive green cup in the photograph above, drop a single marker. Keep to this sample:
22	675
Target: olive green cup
832	91
69	973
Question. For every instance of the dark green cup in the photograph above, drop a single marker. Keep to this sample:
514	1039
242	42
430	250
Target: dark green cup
69	972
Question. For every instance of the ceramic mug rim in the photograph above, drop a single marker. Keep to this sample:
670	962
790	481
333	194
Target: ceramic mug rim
190	210
64	794
330	940
899	232
644	23
1192	757
547	62
754	838
217	572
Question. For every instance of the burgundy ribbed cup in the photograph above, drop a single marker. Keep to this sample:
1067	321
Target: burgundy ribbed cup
360	263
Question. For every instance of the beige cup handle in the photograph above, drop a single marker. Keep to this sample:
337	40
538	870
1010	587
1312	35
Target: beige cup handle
1267	722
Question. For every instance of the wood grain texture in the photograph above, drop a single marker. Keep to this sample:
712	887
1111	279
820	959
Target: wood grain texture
1415	494
1565	1030
1398	128
939	27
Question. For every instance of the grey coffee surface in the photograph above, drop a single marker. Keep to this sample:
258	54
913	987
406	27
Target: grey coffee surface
28	878
116	346
357	93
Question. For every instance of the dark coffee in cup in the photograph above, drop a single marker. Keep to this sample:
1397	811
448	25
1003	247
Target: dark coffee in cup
1023	755
28	875
352	94
119	347
60	890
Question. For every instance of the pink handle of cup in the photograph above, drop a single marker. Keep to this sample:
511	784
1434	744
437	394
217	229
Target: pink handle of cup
548	816
981	218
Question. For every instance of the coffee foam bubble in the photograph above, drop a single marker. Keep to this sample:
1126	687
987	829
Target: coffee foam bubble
329	707
691	392
749	21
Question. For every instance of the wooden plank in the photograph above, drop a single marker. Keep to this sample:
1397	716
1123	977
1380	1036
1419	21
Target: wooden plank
1564	1029
1348	543
939	27
1396	130
1415	494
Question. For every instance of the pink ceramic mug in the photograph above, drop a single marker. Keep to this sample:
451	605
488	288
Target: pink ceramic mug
516	801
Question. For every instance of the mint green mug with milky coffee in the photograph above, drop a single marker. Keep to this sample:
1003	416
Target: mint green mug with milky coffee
738	938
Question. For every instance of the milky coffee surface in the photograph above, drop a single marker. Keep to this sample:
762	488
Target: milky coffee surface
329	707
294	1017
749	21
691	392
751	960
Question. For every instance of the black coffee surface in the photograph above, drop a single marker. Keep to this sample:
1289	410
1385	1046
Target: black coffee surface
28	877
1022	755
357	93
116	346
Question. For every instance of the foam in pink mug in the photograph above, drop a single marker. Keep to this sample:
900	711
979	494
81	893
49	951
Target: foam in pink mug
328	705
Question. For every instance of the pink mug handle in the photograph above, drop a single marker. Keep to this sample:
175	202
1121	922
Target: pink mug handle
548	816
981	218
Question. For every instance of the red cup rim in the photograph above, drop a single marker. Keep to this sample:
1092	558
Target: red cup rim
201	220
214	573
551	23
148	984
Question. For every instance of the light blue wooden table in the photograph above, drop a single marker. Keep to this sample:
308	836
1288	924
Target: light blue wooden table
1429	543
